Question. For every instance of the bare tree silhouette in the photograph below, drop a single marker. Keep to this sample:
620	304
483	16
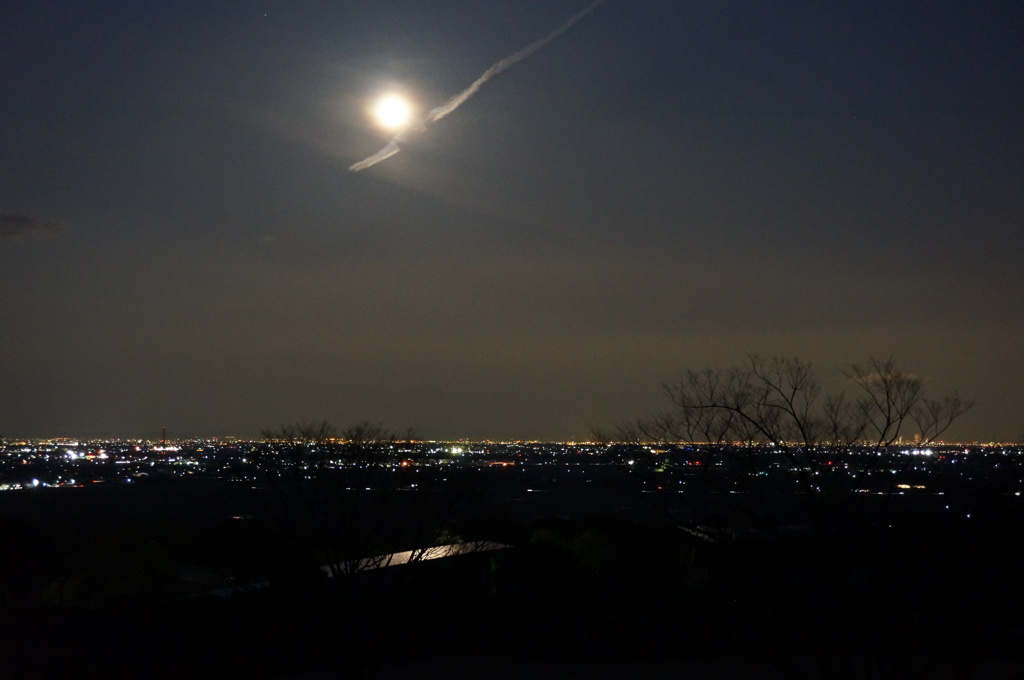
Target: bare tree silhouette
765	426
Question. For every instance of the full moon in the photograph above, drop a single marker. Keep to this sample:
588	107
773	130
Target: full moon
392	112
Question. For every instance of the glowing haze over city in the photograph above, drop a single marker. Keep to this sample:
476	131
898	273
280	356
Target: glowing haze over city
659	186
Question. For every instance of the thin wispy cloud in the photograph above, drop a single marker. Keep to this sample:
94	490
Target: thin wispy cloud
439	112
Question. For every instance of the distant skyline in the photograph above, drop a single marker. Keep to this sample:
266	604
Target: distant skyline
665	186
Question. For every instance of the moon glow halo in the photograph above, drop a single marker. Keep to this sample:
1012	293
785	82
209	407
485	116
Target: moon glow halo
392	112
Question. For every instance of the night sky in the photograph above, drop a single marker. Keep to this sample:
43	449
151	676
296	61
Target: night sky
668	185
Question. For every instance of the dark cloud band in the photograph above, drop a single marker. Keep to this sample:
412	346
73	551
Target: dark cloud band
14	227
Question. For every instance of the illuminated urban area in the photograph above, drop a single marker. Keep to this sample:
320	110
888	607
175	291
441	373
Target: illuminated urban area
934	470
550	547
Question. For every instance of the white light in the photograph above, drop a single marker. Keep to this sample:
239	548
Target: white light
392	112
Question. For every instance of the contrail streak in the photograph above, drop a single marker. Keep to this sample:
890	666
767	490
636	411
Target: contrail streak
439	112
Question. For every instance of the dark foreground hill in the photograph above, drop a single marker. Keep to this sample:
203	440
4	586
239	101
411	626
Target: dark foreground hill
180	581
